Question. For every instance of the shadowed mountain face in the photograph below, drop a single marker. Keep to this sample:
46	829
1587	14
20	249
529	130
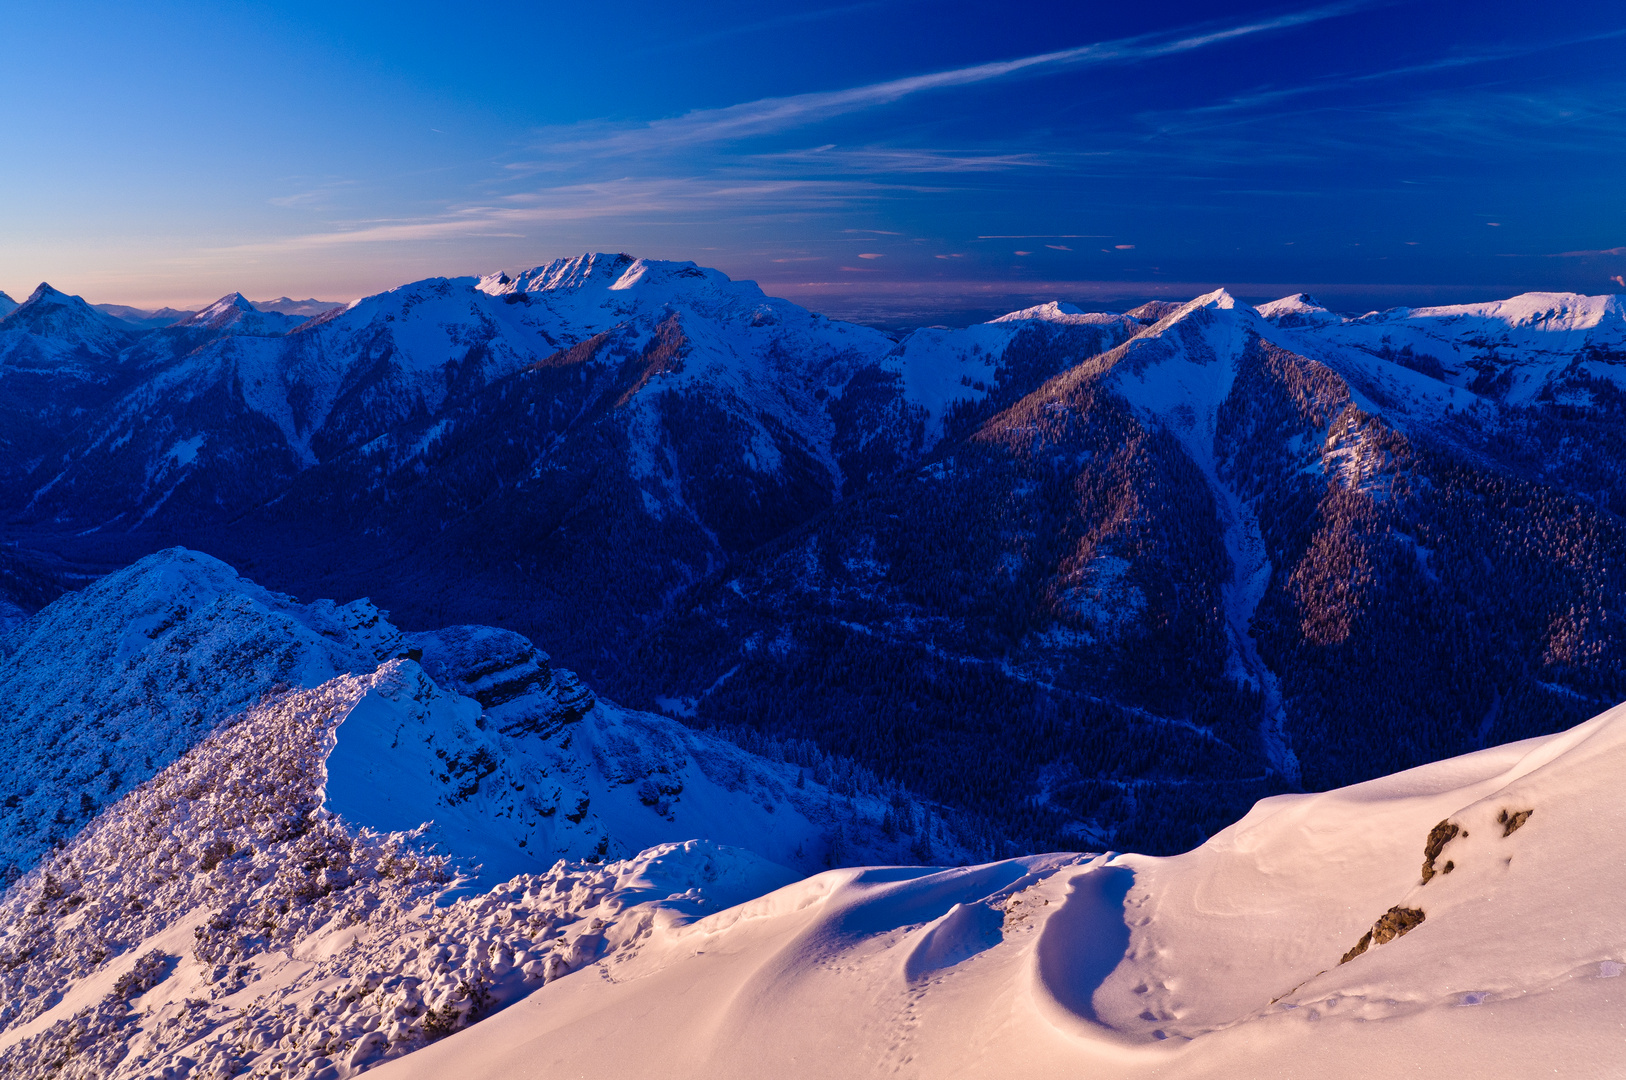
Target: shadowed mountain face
1197	569
1099	577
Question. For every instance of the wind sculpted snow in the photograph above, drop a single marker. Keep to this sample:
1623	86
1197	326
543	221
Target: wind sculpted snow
1209	964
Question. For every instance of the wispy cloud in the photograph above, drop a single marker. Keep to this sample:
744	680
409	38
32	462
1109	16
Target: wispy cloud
1267	98
772	115
1603	253
311	195
881	159
642	158
657	201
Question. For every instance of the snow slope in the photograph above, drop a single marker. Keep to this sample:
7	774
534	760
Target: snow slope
515	762
1222	962
58	324
289	838
108	685
1524	350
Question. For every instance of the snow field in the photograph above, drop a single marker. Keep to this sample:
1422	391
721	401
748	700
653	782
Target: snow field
1222	962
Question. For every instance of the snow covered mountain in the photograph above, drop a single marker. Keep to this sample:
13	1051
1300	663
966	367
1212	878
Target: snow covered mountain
52	323
144	318
310	308
1535	347
1453	916
58	366
1190	560
254	798
1174	550
267	901
7	305
587	411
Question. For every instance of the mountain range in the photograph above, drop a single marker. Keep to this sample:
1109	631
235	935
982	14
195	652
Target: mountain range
1101	578
693	619
307	844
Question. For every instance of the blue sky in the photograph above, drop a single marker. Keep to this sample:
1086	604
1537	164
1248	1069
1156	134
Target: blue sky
860	156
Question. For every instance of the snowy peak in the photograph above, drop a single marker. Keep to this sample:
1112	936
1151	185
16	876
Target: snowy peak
7	305
1206	327
620	278
230	306
1300	309
65	319
1531	348
234	313
1219	300
561	275
1062	313
1181	369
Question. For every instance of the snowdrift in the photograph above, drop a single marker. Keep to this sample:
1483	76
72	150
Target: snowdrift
1459	919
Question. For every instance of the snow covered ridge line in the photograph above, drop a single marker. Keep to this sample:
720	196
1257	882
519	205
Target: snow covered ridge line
220	922
514	759
272	898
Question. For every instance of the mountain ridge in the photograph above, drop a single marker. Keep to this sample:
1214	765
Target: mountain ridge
1184	519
